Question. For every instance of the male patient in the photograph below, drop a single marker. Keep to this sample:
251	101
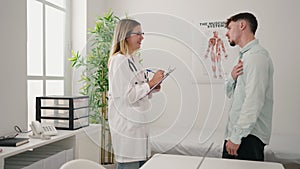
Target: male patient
250	86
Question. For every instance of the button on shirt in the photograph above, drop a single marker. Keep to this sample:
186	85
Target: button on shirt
252	96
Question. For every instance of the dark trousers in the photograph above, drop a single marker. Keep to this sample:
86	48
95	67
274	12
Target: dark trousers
130	165
251	148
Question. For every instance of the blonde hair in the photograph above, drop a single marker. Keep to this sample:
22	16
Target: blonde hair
122	31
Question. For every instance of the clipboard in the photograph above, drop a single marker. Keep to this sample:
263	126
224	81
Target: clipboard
166	75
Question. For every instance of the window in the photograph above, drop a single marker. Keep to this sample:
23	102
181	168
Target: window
47	50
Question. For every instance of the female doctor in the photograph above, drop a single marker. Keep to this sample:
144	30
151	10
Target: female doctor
129	94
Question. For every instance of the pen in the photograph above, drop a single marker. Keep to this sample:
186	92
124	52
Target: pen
149	70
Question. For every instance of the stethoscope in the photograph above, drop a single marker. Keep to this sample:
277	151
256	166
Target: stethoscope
133	68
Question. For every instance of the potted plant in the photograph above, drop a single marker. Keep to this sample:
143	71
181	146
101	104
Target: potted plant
95	76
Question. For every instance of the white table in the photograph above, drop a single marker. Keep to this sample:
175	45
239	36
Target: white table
84	142
166	161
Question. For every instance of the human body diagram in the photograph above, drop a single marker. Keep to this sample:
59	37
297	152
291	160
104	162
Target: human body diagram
215	49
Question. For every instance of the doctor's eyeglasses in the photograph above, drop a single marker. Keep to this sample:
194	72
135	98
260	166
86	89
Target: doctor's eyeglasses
138	33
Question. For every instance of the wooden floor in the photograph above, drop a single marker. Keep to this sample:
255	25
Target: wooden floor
291	166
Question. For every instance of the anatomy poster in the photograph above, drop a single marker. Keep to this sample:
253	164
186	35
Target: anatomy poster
216	55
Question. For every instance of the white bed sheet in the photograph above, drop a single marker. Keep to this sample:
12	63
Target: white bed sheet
186	142
284	149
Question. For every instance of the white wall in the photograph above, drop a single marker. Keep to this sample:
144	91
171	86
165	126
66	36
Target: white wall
95	8
13	85
84	13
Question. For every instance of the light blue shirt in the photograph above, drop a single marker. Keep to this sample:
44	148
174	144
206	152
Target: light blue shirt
252	96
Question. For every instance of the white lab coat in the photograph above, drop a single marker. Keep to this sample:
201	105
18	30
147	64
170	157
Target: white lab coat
126	109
